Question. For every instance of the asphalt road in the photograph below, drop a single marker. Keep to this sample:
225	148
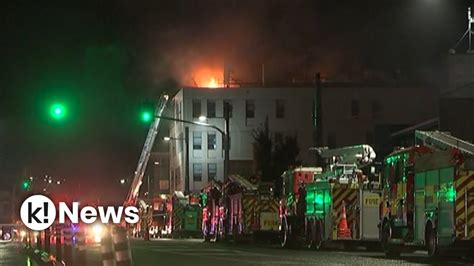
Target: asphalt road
195	252
11	254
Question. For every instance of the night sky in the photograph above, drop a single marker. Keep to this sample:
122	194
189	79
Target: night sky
107	59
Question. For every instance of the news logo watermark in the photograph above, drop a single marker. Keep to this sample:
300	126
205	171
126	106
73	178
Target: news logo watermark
38	212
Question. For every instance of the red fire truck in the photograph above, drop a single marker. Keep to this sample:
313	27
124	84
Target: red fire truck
212	211
428	196
252	210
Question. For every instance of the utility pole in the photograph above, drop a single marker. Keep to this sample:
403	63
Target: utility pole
318	131
226	140
186	167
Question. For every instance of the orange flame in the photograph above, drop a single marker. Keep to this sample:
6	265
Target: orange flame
205	77
213	83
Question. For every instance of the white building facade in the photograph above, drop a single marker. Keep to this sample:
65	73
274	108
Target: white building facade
289	112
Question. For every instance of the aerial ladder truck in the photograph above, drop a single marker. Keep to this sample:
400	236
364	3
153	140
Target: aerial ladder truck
338	204
428	196
132	199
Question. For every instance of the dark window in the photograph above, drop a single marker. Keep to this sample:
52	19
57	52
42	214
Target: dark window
355	108
249	109
211	141
197	140
229	102
181	144
197	172
211	171
211	108
196	108
376	108
332	140
280	108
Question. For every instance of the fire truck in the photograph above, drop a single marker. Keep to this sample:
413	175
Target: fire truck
428	196
184	216
339	204
213	211
252	211
159	215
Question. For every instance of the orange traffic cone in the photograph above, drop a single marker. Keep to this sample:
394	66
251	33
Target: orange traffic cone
343	230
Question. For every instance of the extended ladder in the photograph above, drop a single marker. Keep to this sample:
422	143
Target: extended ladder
145	155
357	154
444	140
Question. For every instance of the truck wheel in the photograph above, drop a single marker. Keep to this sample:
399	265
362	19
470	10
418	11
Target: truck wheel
285	233
309	234
318	235
431	237
387	247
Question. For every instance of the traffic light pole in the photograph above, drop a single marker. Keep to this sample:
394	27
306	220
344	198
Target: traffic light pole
226	140
186	167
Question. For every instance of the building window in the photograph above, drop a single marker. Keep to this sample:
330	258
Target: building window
181	144
196	108
211	171
211	141
211	108
280	108
249	109
376	109
197	140
355	108
197	172
229	102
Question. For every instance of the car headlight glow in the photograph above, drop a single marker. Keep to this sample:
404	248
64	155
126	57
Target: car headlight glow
98	230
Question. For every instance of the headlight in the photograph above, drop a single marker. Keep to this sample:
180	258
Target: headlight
98	230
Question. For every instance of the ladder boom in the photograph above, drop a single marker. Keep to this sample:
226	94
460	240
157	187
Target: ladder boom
443	140
145	154
357	154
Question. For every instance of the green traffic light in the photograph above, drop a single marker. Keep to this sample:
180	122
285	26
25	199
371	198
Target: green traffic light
25	185
57	111
146	116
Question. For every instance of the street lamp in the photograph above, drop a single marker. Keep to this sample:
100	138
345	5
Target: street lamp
202	118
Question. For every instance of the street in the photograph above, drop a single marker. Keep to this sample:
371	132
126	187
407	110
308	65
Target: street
195	252
11	255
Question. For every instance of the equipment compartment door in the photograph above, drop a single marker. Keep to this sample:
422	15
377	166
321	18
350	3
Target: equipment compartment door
370	215
447	197
420	206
